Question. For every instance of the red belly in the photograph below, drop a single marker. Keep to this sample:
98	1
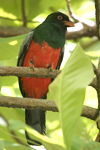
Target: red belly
40	56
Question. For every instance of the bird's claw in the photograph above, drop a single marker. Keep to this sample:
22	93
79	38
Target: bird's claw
32	67
50	69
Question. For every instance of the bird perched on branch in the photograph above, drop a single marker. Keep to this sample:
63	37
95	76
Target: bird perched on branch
43	47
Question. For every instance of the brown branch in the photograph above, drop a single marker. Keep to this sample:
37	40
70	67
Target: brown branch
75	17
28	103
23	13
97	6
31	103
98	137
97	73
37	72
28	72
7	31
94	83
89	112
88	29
71	12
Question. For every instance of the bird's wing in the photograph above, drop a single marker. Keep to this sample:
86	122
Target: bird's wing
24	48
60	58
21	56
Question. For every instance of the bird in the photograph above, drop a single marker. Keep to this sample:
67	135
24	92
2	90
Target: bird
43	47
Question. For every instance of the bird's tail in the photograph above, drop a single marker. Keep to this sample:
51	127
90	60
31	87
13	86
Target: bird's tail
35	119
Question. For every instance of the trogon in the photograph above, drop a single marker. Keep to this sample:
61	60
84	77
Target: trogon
43	47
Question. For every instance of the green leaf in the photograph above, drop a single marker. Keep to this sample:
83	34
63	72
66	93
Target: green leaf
14	146
9	47
12	113
9	113
47	142
80	144
85	9
1	145
13	126
68	91
92	146
77	143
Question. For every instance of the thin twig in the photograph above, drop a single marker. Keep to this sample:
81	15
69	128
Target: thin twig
74	16
71	12
23	13
88	26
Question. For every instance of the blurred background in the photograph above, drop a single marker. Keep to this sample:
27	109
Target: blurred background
18	18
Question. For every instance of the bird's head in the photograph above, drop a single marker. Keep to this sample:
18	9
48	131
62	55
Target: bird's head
60	20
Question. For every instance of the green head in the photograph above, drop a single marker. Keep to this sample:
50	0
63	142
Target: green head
59	19
53	30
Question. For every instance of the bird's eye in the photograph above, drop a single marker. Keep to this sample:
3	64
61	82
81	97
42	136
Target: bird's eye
59	17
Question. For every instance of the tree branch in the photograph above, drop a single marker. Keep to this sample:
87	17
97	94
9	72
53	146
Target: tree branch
28	72
89	112
32	103
36	72
23	13
14	31
97	6
86	31
9	31
28	103
89	27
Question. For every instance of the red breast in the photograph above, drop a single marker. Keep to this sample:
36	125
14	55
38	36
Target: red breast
41	56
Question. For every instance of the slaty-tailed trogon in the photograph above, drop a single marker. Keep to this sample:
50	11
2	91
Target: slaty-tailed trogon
43	47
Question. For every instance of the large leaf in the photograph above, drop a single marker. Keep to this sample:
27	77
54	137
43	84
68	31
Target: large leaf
14	146
80	144
85	9
47	142
92	146
1	145
12	9
68	91
10	113
9	47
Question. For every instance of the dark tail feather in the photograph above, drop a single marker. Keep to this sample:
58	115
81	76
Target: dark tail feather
35	119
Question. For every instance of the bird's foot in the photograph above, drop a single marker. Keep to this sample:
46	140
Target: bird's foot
31	64
50	69
32	67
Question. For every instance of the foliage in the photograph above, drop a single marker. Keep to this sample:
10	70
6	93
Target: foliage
77	133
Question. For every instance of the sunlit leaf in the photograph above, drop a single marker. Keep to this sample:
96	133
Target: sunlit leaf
92	145
14	146
68	90
9	47
81	144
1	145
95	46
47	142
